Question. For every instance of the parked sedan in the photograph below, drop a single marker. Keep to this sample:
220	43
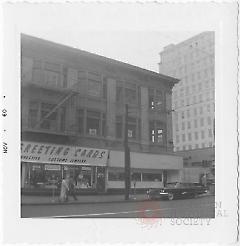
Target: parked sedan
177	190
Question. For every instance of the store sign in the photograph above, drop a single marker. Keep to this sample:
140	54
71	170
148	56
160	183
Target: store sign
62	154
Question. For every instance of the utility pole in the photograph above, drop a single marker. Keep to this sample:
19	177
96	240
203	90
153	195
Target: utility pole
126	156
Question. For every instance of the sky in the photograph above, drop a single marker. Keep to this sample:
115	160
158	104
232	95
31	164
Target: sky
139	48
134	34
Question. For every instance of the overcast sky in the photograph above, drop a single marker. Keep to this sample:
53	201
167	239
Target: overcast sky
134	34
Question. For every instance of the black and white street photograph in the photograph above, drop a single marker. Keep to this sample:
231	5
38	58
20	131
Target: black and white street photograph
123	117
99	135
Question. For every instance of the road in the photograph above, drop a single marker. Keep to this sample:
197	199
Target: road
201	207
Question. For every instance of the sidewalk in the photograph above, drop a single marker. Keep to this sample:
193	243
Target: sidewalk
82	199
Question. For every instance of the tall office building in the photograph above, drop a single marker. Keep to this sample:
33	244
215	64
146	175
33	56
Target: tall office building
192	61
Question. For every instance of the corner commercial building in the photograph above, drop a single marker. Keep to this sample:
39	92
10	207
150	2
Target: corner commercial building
73	109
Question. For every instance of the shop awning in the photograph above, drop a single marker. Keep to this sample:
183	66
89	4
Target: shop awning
62	154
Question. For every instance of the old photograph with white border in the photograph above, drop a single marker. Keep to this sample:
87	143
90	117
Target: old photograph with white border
119	119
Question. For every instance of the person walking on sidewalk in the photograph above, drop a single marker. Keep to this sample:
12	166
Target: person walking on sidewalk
71	190
64	190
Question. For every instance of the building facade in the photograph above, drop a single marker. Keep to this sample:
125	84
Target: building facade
192	61
73	114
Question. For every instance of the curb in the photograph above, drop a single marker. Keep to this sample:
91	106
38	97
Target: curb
83	202
92	202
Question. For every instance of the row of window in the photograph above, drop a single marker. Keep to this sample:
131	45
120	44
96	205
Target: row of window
188	101
197	135
193	112
193	146
95	85
193	124
92	122
181	91
137	176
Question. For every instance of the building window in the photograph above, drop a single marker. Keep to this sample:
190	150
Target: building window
130	95
190	136
132	128
157	132
151	176
195	111
196	135
189	124
80	121
177	138
116	176
201	110
188	113
202	122
183	137
183	126
50	122
104	90
52	74
195	123
209	132
209	120
156	99
93	123
119	126
202	134
176	128
94	88
33	114
182	114
119	94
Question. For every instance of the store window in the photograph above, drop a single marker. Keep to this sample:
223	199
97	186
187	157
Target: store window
152	177
136	176
116	176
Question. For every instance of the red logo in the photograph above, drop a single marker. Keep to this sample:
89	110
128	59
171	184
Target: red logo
150	213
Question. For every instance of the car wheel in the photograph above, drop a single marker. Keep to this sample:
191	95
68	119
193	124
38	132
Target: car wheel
170	196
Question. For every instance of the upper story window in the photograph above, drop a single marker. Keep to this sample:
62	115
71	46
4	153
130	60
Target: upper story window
157	132
130	93
94	88
156	99
93	123
52	74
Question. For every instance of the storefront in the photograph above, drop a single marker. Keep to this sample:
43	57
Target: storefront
147	170
43	166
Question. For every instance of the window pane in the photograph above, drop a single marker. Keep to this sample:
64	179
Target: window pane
151	177
94	88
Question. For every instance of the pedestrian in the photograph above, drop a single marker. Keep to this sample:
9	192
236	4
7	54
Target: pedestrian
64	190
71	190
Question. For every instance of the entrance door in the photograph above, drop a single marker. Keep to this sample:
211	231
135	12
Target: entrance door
100	179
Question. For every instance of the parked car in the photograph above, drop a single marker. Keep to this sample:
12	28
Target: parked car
177	190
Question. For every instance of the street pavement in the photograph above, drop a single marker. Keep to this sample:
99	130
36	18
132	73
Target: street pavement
201	207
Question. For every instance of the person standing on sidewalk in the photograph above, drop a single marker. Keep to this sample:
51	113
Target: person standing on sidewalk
71	190
64	190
